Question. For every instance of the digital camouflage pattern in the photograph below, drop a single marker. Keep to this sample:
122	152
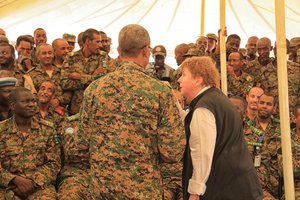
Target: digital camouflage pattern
35	156
295	140
293	84
271	142
134	126
72	181
239	86
165	73
76	62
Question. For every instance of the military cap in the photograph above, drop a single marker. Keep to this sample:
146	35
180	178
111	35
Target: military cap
298	52
8	81
159	50
192	52
69	37
295	41
212	36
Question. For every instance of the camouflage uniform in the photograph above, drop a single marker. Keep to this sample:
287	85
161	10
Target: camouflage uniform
268	142
35	156
76	62
293	83
134	126
52	116
239	86
295	139
176	75
269	79
165	73
72	181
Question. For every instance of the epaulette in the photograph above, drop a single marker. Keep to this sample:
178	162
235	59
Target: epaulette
47	123
4	125
73	118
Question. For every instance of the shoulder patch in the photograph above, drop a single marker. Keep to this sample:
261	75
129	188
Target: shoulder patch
47	123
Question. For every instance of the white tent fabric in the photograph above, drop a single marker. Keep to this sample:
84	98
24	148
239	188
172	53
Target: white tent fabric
169	22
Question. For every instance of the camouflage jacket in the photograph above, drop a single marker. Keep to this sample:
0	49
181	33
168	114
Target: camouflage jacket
239	86
133	125
35	156
76	62
295	140
268	141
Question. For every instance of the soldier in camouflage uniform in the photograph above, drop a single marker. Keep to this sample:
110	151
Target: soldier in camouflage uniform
29	152
7	60
295	140
180	51
133	124
80	67
45	71
293	72
251	48
252	102
239	82
45	110
262	135
158	69
72	181
7	84
39	37
202	45
24	46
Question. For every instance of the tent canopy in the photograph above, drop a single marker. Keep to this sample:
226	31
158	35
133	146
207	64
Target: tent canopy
169	22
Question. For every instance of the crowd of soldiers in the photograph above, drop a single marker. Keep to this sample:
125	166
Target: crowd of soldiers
42	90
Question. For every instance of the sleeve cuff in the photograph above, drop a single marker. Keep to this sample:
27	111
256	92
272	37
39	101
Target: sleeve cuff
196	187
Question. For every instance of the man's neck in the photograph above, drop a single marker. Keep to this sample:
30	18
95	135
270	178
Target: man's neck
238	73
264	122
58	62
9	67
44	109
48	67
251	113
23	123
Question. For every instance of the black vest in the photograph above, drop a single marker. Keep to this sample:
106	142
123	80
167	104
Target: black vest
232	173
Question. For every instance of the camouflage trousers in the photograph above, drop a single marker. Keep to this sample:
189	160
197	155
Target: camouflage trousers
73	185
48	193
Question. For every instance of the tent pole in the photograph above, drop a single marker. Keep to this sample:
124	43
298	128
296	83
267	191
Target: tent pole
283	100
202	17
223	47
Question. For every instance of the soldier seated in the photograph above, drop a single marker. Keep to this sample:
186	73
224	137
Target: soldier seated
29	151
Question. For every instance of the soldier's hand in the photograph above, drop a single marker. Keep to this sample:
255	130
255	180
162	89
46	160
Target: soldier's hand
75	76
25	186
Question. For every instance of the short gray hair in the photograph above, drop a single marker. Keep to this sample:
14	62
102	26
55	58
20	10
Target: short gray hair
132	38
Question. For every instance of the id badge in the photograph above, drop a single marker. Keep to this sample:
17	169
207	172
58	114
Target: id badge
257	160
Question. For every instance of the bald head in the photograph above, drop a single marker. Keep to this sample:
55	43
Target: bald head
180	51
3	39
